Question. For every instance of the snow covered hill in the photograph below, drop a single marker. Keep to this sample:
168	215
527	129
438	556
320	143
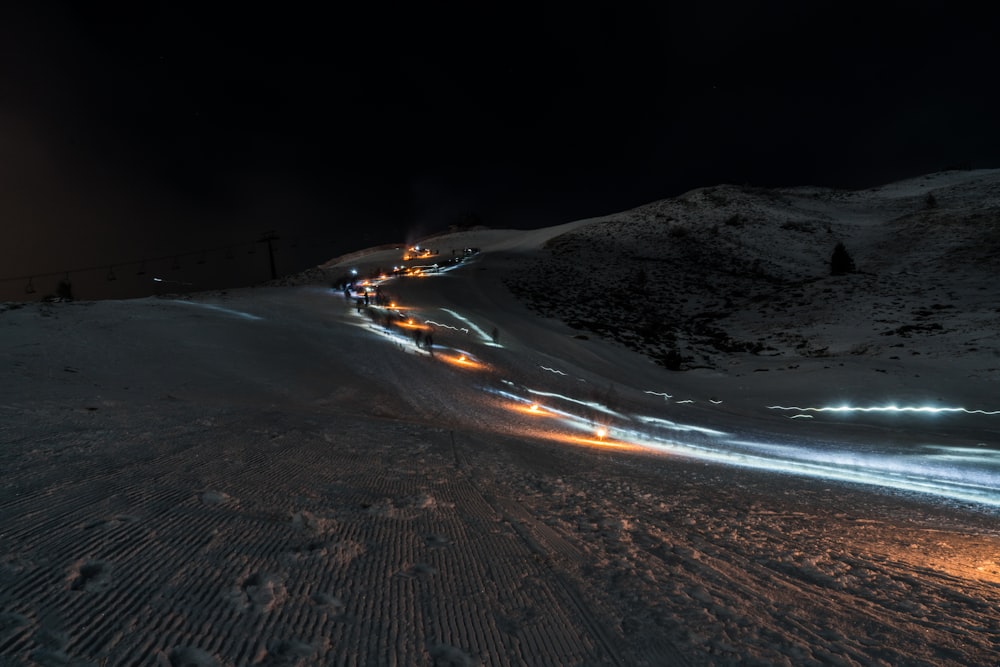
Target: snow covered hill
722	274
281	476
735	282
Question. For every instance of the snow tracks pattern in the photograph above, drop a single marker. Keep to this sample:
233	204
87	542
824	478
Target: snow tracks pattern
216	538
247	539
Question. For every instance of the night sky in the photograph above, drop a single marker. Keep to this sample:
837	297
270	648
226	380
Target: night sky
144	131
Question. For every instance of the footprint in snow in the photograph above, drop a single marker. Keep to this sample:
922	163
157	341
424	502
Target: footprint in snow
90	576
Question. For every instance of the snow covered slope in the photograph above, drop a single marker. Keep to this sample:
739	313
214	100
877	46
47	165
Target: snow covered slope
275	476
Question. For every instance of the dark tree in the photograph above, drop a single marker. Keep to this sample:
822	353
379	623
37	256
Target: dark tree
671	360
841	262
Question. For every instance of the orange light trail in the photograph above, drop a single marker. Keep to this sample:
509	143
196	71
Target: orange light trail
463	361
580	440
600	443
534	409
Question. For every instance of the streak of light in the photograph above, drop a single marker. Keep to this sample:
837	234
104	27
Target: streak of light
925	409
714	401
380	330
895	472
524	405
552	370
801	417
441	324
990	457
462	360
581	423
660	393
686	400
590	404
967	474
600	442
410	324
586	441
534	410
674	426
479	332
220	309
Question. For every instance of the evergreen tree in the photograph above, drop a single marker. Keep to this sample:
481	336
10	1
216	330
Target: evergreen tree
841	262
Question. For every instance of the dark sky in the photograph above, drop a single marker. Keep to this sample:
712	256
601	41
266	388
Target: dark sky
146	130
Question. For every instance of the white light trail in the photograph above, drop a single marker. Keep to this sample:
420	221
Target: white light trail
441	324
227	311
911	472
385	333
552	370
968	474
674	426
568	416
590	404
479	332
983	456
659	393
924	409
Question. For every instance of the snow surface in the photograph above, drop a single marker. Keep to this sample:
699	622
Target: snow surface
275	476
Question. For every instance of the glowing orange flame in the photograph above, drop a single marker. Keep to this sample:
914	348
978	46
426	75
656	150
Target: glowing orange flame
570	439
534	409
602	443
462	361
